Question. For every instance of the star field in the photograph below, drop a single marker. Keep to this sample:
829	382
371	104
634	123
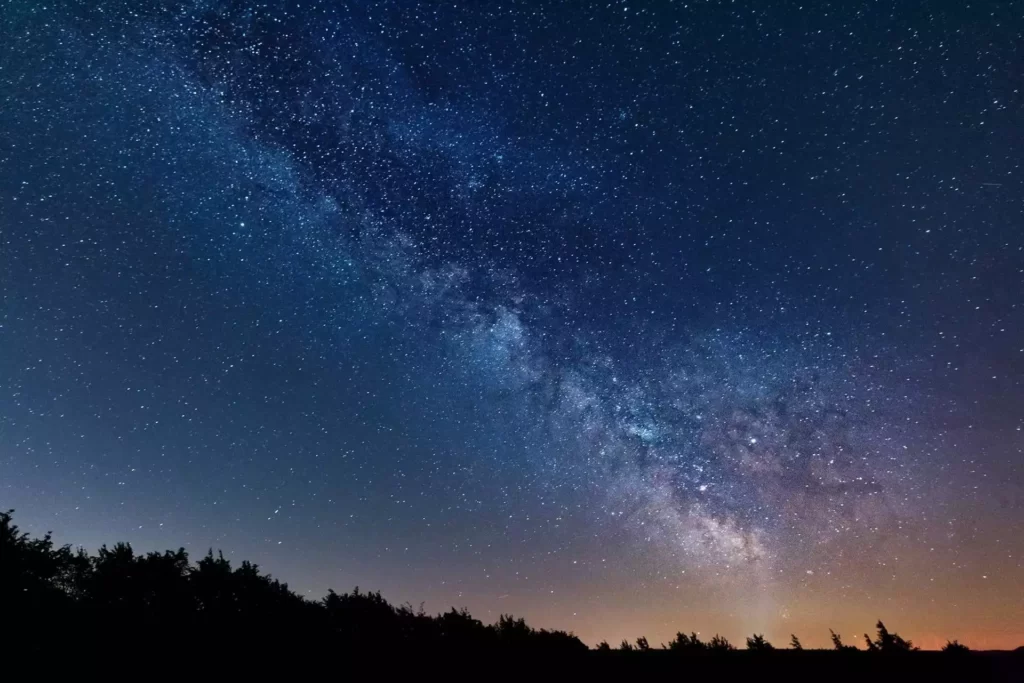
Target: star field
627	317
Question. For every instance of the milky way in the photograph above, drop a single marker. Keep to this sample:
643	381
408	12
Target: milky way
527	306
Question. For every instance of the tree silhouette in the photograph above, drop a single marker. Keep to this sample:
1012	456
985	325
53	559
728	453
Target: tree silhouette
955	647
888	642
757	642
161	604
553	641
837	643
458	629
720	644
32	569
155	600
513	632
686	643
794	642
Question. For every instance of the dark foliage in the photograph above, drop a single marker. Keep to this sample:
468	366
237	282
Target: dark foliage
955	647
686	643
160	606
837	643
888	642
157	601
720	644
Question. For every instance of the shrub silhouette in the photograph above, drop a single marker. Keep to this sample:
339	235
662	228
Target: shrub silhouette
837	643
794	642
720	644
955	647
686	643
888	642
758	643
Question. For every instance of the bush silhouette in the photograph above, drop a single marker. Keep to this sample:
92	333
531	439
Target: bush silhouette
888	642
720	644
686	643
837	643
758	643
955	647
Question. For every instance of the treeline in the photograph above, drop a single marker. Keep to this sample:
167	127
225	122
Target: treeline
118	599
884	641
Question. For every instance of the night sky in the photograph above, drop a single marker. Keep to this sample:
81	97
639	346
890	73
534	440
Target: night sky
625	317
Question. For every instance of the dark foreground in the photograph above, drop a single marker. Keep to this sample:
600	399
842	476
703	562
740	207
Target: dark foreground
811	665
264	660
159	614
298	660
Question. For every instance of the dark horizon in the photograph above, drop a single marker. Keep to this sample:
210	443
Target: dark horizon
155	597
